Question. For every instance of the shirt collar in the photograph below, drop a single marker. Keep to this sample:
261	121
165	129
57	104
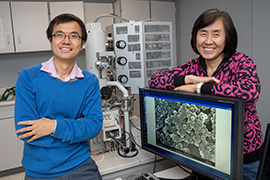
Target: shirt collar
49	68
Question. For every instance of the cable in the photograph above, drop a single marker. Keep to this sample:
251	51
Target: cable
150	19
133	140
95	154
128	156
125	132
184	169
110	15
125	150
134	125
155	163
7	93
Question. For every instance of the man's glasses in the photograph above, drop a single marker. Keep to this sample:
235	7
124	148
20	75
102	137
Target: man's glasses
71	36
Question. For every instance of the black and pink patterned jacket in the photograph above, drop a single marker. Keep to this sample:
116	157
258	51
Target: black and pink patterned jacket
238	78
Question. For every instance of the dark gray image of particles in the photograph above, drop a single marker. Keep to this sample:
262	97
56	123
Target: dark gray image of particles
187	129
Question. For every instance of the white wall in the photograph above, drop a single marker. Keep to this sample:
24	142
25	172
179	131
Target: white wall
240	11
251	19
12	64
260	50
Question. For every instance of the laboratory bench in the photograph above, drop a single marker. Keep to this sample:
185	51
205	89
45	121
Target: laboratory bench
113	166
11	146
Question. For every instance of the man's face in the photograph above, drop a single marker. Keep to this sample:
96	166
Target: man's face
64	47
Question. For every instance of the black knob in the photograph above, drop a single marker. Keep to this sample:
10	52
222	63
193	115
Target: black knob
121	44
122	61
123	79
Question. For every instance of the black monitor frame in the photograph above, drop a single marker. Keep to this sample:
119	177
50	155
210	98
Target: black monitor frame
237	144
264	168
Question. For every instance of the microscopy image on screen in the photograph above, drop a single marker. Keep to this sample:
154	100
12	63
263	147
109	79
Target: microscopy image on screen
186	128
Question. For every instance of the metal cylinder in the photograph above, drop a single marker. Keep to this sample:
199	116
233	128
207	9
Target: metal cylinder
95	43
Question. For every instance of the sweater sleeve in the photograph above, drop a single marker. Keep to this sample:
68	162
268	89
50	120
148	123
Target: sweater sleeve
206	88
25	103
74	131
169	79
67	130
246	84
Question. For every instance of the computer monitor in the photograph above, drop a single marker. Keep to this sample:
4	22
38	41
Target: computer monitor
264	167
201	132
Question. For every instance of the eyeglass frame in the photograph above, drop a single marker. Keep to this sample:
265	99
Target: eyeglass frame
66	35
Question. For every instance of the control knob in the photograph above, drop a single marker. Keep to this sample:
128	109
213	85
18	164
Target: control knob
123	79
121	44
122	61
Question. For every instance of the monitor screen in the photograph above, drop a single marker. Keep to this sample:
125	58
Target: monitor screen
201	132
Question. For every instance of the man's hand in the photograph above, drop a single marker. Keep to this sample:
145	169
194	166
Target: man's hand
36	128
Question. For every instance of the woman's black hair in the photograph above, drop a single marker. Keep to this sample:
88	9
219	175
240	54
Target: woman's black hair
64	18
207	18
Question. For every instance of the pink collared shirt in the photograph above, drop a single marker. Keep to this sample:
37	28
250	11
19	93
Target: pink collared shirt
49	68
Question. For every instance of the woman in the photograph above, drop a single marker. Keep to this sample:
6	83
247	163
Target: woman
220	70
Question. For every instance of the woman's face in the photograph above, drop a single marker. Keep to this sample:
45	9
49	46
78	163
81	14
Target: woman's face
211	41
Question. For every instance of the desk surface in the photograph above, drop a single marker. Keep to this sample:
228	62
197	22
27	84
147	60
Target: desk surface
112	162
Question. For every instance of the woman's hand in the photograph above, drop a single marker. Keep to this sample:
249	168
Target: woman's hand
191	79
186	88
192	82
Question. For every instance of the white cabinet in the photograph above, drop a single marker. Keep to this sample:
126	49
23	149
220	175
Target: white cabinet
11	147
30	21
23	24
75	8
132	9
6	36
93	10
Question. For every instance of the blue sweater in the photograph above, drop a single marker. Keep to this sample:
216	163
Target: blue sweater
39	95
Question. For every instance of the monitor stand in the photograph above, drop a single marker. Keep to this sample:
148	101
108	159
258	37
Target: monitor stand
178	173
173	173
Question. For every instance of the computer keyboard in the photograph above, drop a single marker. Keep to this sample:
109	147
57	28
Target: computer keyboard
147	176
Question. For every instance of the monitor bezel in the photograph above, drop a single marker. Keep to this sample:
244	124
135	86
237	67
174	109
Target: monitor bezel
264	155
238	138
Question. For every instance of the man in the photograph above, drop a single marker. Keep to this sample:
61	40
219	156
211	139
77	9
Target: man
58	108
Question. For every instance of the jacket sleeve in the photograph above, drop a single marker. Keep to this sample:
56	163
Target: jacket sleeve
169	79
246	84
